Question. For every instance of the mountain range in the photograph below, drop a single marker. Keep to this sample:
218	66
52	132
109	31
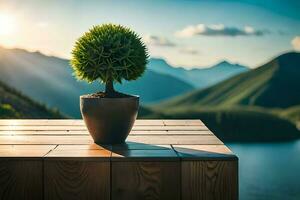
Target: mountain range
198	77
13	104
261	104
275	84
258	104
49	80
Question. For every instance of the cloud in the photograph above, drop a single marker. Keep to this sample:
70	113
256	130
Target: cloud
296	43
218	30
158	41
190	51
42	24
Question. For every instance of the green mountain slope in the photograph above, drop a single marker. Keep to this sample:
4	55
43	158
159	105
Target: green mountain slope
292	113
49	80
273	85
242	124
15	105
259	105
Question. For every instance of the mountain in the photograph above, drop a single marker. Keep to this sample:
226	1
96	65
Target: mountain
275	84
198	77
233	124
49	80
259	105
15	105
292	113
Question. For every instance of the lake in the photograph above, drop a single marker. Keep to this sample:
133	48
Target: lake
268	170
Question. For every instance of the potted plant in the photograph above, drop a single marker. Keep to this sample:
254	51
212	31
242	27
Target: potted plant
109	53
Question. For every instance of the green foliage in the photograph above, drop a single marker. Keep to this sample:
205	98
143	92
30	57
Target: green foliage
292	113
109	53
14	104
240	124
7	111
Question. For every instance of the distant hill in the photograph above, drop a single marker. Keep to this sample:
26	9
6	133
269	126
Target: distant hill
234	124
49	80
262	104
15	105
198	77
292	113
275	84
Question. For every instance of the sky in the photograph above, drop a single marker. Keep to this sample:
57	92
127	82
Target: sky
184	33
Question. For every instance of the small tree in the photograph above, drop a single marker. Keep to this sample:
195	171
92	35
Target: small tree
109	53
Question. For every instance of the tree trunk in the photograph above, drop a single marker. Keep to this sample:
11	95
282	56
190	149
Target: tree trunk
109	88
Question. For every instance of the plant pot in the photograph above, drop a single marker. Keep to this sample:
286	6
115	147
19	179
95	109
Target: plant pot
109	120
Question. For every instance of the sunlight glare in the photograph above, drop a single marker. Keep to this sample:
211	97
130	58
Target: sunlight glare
7	24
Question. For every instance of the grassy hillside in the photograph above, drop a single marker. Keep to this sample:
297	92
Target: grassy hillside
262	104
49	80
235	123
273	85
15	105
292	113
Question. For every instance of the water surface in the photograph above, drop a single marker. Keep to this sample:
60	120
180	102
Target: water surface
268	170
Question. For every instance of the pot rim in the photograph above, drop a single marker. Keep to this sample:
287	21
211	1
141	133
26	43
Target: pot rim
130	96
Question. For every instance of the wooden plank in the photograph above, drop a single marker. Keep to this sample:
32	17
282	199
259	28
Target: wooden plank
82	154
75	179
21	179
153	122
146	167
205	180
184	122
83	128
66	122
179	139
42	128
37	139
170	132
204	152
83	147
31	122
80	132
76	122
139	146
144	155
27	147
152	139
145	180
21	151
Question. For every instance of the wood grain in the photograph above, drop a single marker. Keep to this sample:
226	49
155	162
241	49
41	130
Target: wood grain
209	180
80	132
162	159
204	152
139	146
83	128
75	179
85	154
145	180
21	179
178	139
22	151
144	155
83	146
182	122
76	122
38	139
147	139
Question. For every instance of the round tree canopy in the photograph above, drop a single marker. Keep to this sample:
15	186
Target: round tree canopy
109	53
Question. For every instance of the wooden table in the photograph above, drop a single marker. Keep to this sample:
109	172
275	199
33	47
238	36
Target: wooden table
162	159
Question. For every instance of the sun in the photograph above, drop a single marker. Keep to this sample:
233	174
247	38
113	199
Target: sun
7	24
